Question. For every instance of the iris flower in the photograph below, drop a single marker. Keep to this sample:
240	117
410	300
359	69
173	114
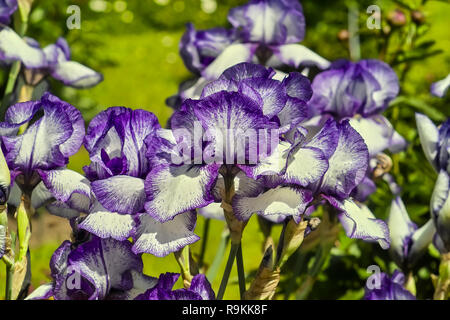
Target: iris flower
7	8
200	289
244	100
391	288
408	242
436	146
53	60
263	31
37	157
121	143
326	163
92	268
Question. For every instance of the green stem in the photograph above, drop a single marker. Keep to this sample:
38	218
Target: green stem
13	74
9	281
223	285
204	242
215	265
241	273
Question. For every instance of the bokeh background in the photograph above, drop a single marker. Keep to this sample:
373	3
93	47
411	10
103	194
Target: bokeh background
134	44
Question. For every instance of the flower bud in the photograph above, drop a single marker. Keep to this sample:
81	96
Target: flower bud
396	18
418	17
343	35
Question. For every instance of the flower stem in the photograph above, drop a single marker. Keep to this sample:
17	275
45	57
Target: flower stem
442	291
223	284
13	74
215	265
9	281
204	242
241	273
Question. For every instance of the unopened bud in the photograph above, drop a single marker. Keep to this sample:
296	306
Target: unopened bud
418	17
343	35
396	18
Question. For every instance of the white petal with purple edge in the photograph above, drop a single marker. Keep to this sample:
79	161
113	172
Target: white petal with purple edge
76	75
421	240
232	55
295	55
123	194
360	223
212	211
43	292
378	134
68	186
347	165
281	201
176	189
305	165
440	206
106	224
161	239
13	48
275	163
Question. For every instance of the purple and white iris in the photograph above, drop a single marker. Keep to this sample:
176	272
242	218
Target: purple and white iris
200	289
7	8
121	143
391	288
237	122
359	92
53	60
436	146
264	31
320	164
37	156
95	269
408	242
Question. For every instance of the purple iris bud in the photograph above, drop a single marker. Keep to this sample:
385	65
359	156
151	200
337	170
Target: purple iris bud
95	269
53	60
7	8
436	146
360	92
408	242
390	288
198	48
439	88
200	289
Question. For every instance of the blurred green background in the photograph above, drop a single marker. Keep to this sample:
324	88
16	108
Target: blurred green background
135	45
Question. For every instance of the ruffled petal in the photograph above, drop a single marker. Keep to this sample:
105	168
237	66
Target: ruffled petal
161	239
201	285
232	55
378	134
360	223
43	292
103	262
281	201
106	224
172	190
68	186
74	74
14	48
347	165
122	194
296	55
